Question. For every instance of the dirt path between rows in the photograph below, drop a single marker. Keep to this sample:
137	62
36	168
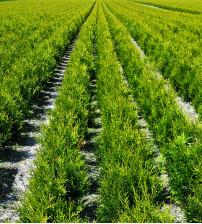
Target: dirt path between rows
174	209
18	160
152	6
186	107
90	201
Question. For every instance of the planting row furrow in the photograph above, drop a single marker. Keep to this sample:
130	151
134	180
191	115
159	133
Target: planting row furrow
90	201
174	24
60	178
178	6
187	108
129	184
174	209
17	162
172	45
20	87
151	6
177	137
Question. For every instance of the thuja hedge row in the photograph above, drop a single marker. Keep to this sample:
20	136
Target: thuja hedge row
172	6
29	76
129	183
168	41
26	26
59	178
178	138
173	22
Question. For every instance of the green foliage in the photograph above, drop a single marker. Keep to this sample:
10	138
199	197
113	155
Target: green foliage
190	6
184	167
10	115
170	41
130	190
194	211
29	53
124	155
144	211
49	196
60	177
186	159
178	138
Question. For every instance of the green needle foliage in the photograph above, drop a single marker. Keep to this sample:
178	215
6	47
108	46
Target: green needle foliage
189	6
171	40
33	37
178	138
129	181
30	53
60	178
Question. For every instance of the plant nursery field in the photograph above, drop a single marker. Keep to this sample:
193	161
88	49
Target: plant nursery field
192	6
100	111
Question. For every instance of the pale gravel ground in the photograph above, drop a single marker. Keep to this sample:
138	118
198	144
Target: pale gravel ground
189	112
152	6
174	209
30	147
25	153
90	201
187	108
